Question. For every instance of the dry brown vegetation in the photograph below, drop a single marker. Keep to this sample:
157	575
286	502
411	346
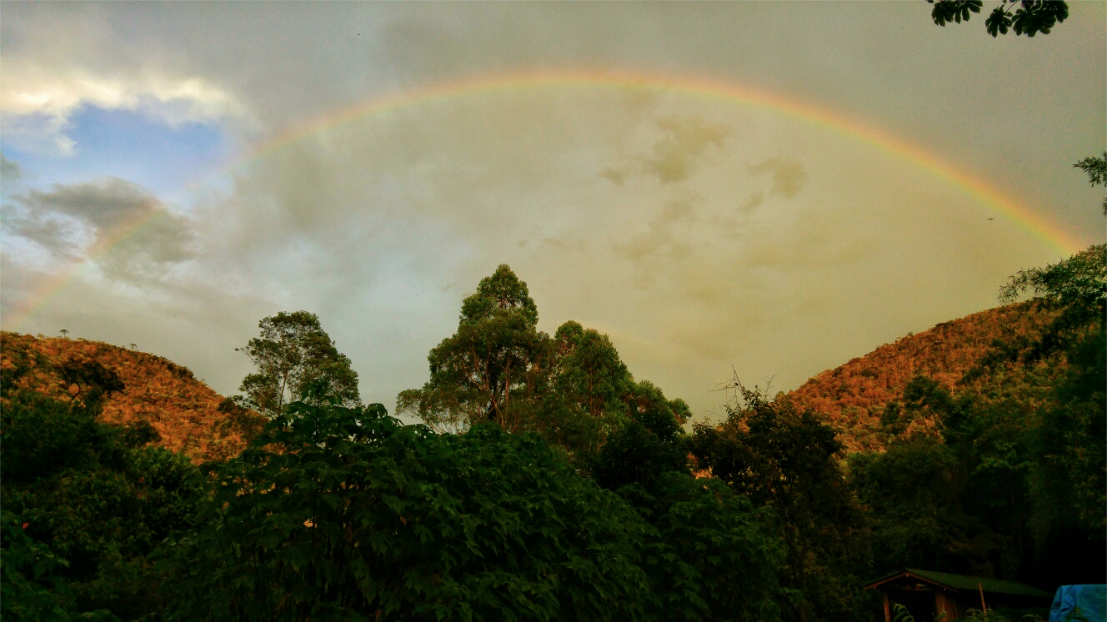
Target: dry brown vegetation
852	397
187	414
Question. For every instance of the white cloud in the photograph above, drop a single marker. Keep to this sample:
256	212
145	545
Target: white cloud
37	105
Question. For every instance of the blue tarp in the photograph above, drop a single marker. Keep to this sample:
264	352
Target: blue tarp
1079	603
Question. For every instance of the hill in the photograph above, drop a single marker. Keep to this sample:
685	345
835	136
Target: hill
852	397
187	414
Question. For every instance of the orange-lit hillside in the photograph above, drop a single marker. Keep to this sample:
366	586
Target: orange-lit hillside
183	410
852	397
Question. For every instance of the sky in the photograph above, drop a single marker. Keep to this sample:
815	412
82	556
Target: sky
760	189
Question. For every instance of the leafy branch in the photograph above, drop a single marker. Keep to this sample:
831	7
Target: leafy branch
1029	18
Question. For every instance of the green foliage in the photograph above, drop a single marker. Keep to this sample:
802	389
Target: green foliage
1069	474
954	10
649	445
588	372
292	352
84	505
340	513
901	614
1096	169
1032	16
788	460
28	587
915	493
587	391
1077	286
491	369
709	554
1000	484
983	615
573	389
1068	477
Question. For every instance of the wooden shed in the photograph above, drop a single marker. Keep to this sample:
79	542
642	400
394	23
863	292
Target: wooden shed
954	593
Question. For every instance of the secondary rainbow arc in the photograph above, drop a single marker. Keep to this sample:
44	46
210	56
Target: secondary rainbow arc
705	87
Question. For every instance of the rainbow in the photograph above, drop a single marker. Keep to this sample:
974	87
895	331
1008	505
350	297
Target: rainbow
703	87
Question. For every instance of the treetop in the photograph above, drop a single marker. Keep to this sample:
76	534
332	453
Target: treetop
503	291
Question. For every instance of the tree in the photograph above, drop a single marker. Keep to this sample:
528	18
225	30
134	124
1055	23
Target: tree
346	514
587	391
950	495
1096	168
1076	288
1069	472
492	368
292	352
1032	16
788	460
650	444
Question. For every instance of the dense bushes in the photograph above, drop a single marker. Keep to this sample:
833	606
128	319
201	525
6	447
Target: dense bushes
85	504
347	514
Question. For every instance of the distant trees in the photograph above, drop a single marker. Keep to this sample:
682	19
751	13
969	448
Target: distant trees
292	352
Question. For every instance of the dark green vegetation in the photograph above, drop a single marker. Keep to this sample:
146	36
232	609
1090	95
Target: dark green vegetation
572	389
557	487
84	505
347	514
550	485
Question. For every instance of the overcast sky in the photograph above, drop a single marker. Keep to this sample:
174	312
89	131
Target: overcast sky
148	199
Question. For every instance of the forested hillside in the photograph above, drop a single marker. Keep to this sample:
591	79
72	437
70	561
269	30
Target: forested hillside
186	413
549	483
852	397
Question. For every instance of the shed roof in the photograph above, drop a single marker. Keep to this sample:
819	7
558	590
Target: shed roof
962	582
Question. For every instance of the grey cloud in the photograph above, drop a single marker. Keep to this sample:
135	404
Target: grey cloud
661	239
683	145
10	170
52	234
816	241
753	201
142	234
103	204
561	244
615	175
788	176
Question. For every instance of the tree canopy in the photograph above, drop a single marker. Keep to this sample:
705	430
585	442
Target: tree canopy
573	388
786	459
340	513
292	352
493	361
85	505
